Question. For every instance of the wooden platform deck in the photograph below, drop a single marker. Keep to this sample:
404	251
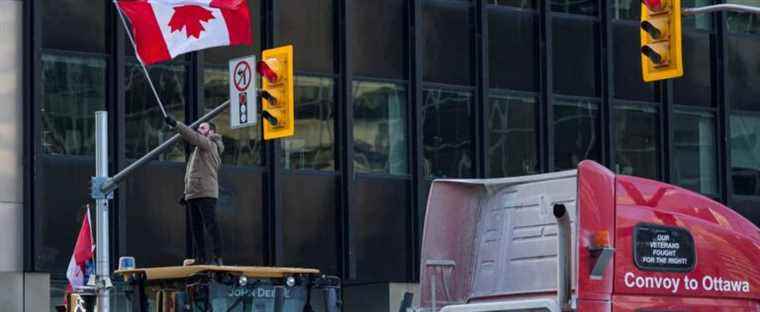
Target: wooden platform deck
181	272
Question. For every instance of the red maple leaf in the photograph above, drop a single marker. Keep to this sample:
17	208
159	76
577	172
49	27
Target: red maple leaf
190	18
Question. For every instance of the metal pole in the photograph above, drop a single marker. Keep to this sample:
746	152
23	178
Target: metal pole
564	256
101	207
112	183
433	290
722	7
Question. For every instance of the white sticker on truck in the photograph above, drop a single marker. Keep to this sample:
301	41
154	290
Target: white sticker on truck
673	284
653	282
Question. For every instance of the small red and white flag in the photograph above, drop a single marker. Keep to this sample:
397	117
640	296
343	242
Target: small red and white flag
81	264
163	29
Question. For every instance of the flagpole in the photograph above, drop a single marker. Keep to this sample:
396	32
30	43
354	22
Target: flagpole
145	70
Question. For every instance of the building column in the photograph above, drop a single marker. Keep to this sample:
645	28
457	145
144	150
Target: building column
18	291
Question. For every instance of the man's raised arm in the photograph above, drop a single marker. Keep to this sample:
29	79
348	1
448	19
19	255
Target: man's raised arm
190	135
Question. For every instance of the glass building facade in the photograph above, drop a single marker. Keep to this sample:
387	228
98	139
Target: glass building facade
390	94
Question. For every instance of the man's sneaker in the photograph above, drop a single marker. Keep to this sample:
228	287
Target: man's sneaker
188	262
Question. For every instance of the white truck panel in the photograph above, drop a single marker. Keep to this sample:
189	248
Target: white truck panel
494	238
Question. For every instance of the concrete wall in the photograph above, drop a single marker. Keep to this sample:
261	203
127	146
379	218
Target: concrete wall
11	137
28	292
19	291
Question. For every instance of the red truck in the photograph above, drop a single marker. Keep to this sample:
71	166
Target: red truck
584	240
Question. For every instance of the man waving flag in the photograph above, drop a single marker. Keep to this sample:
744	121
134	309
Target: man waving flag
163	29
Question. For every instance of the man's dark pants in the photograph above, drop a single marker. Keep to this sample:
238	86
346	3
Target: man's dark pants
203	215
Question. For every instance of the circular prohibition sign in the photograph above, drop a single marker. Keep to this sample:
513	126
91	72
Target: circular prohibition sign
242	76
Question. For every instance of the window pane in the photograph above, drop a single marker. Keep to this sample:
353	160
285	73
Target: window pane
694	88
699	21
743	72
310	237
513	62
447	133
744	22
629	84
636	141
585	7
576	55
241	211
745	154
313	145
576	132
221	55
380	122
379	217
61	193
526	4
626	9
694	152
145	128
512	136
447	43
242	146
154	215
308	25
75	25
73	88
378	37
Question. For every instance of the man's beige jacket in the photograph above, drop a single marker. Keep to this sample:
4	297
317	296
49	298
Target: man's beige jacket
201	175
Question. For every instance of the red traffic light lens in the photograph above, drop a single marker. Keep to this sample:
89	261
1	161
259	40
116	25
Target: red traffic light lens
653	5
264	69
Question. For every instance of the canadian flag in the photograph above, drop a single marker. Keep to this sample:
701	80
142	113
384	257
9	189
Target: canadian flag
81	264
164	29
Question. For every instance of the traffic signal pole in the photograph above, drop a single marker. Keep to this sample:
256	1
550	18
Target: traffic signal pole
722	7
102	187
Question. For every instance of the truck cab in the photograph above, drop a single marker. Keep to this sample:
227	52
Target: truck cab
584	240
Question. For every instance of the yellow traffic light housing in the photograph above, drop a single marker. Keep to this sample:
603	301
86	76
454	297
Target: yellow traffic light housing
277	92
661	52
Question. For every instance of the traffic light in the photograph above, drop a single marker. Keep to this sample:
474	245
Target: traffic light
661	54
276	66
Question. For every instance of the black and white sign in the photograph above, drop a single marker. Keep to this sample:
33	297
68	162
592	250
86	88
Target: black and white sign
662	248
243	98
